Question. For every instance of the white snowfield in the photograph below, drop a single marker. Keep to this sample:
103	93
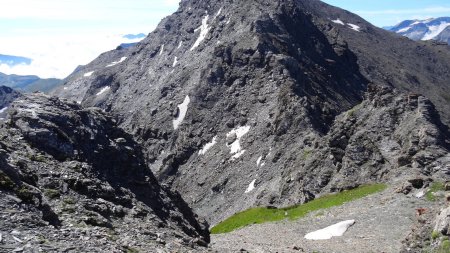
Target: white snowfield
116	62
235	147
105	89
88	74
327	233
251	186
435	30
204	29
175	61
338	21
182	112
3	109
208	146
354	27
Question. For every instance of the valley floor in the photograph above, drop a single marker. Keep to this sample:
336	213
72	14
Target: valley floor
383	220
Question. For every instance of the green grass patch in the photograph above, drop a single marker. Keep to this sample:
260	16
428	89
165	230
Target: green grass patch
435	235
445	246
260	215
435	187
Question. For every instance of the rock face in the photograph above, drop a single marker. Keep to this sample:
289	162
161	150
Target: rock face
72	181
7	96
234	102
83	76
443	222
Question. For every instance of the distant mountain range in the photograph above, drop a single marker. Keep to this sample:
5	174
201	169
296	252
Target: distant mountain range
29	83
12	60
134	36
430	29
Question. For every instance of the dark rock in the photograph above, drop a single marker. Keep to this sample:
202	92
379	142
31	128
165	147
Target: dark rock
77	168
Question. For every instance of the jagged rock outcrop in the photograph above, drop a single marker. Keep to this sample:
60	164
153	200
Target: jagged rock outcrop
7	96
388	135
233	99
71	181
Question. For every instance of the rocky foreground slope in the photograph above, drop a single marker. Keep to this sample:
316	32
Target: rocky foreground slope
72	181
244	103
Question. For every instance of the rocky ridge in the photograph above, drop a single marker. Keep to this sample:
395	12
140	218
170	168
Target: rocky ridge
72	181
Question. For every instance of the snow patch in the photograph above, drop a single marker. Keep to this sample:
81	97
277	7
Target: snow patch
88	74
435	30
175	61
251	186
235	147
237	155
354	27
3	109
208	146
404	29
182	112
204	29
105	89
258	162
161	50
116	62
338	21
218	13
228	21
179	45
419	194
337	229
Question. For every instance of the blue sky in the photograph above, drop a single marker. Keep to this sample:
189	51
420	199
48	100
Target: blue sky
62	34
390	12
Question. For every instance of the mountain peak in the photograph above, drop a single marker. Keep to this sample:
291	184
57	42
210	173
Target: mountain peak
427	29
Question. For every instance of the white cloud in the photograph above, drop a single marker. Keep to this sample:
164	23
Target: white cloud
56	56
59	35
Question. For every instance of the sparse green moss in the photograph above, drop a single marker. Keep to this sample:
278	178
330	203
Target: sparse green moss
69	201
435	187
51	193
306	154
41	239
37	158
25	194
129	249
260	215
446	96
6	182
68	208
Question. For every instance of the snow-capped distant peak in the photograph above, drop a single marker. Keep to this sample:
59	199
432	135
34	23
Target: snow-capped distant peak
427	29
435	30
